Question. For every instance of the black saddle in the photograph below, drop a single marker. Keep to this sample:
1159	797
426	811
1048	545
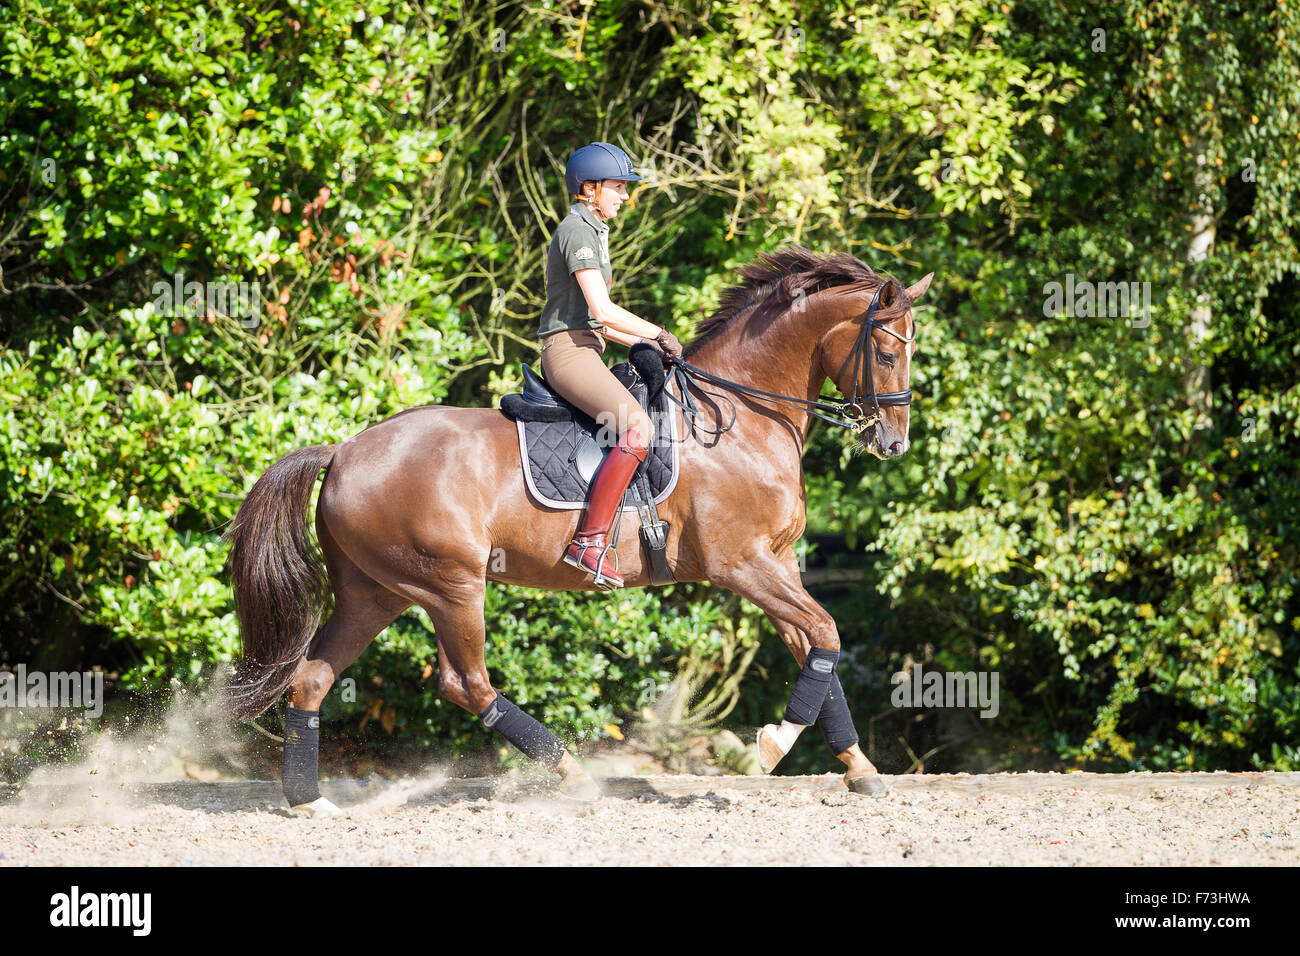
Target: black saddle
560	446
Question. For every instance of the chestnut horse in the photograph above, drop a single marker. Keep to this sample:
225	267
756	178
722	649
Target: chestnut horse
413	509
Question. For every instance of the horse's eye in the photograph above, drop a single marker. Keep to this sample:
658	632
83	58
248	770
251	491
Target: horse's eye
887	358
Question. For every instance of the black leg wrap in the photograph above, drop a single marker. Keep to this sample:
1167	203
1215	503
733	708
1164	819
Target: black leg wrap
810	689
834	721
301	751
534	740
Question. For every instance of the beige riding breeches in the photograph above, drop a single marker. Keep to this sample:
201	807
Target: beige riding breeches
573	366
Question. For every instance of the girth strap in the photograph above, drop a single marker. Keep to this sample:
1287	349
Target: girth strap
654	534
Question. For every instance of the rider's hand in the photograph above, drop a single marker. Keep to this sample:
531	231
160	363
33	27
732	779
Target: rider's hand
669	345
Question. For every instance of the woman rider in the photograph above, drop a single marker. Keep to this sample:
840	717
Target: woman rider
577	319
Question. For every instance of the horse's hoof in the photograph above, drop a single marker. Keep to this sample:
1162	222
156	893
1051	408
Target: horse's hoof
872	784
583	790
769	751
320	807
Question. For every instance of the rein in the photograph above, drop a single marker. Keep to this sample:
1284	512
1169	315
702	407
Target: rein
847	414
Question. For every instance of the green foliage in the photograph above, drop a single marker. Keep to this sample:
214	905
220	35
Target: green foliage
132	471
1084	514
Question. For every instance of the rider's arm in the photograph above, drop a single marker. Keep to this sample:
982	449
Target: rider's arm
622	338
607	313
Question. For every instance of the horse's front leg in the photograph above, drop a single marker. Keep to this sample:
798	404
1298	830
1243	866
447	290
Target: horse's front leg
836	723
773	584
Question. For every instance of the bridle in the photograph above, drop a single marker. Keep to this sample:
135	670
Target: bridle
854	405
849	414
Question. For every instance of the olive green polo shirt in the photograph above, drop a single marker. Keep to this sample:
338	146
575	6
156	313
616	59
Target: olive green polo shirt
581	241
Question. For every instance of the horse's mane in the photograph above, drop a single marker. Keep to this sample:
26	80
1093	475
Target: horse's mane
774	280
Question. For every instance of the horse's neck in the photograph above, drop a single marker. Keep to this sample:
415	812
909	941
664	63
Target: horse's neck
779	359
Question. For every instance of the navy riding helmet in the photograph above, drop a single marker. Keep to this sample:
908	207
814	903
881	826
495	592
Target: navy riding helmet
598	161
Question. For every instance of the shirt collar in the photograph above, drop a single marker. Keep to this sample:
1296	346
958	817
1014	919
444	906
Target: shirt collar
588	216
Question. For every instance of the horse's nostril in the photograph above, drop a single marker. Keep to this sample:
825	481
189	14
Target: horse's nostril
896	448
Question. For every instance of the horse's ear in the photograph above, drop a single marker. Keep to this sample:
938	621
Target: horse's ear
915	292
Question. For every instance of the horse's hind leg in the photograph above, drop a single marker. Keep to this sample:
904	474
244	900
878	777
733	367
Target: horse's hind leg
362	608
457	616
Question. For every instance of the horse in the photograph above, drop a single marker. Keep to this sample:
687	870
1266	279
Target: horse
412	508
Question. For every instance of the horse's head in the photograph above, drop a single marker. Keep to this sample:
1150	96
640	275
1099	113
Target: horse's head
868	355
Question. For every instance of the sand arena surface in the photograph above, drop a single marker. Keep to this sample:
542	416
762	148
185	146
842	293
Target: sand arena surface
1000	819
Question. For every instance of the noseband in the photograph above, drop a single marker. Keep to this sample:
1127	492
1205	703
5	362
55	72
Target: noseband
850	414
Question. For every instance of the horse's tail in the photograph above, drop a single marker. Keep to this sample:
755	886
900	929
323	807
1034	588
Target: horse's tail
279	580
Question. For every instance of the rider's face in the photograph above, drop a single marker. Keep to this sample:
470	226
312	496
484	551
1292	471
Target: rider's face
613	193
